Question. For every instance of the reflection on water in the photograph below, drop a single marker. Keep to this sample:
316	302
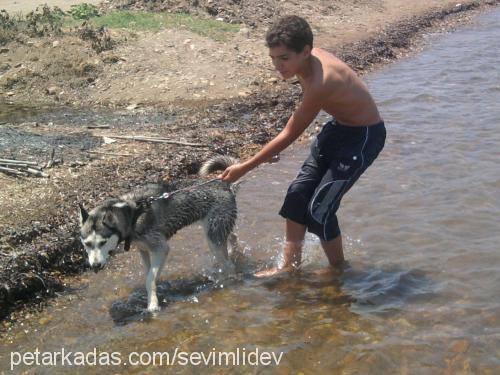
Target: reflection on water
420	294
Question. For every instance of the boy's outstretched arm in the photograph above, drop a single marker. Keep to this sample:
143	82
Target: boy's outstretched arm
295	126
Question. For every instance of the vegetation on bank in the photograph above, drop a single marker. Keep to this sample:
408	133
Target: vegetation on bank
47	21
137	20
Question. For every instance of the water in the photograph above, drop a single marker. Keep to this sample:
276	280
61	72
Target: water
421	236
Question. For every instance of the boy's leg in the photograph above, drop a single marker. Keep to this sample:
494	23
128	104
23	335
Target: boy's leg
334	251
292	252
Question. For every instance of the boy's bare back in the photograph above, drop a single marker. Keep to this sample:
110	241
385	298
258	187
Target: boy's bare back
338	89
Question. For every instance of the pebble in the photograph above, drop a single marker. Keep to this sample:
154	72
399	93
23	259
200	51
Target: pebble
52	90
245	31
44	320
460	346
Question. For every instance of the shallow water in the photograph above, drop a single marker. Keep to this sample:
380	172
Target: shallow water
421	236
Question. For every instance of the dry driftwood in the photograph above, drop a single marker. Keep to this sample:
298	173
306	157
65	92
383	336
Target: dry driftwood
15	165
12	162
108	153
19	165
141	138
50	163
21	168
12	171
36	172
98	127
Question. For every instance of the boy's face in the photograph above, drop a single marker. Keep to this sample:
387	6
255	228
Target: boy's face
288	62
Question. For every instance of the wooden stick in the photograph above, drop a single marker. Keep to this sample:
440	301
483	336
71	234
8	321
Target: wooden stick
157	140
98	127
108	153
24	172
51	160
20	166
36	173
15	165
12	171
9	161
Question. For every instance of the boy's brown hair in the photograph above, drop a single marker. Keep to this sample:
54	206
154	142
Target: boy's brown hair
290	31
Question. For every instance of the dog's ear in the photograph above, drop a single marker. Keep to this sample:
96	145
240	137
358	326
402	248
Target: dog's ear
110	219
123	207
122	204
84	215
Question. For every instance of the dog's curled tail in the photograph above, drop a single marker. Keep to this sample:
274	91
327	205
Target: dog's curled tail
217	163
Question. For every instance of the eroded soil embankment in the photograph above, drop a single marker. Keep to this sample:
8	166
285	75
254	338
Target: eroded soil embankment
40	257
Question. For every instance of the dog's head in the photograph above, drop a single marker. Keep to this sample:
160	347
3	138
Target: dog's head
101	230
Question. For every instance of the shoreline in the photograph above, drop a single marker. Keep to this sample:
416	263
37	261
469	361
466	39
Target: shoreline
26	287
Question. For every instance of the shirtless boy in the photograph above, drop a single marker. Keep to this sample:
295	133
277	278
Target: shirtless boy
341	152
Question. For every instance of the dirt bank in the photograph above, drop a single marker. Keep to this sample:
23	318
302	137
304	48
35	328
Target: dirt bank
176	65
38	217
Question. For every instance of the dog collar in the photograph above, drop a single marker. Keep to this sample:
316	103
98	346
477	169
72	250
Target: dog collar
126	245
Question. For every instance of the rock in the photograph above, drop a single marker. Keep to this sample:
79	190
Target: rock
245	31
4	67
111	59
4	50
131	107
272	80
10	93
55	43
108	140
52	90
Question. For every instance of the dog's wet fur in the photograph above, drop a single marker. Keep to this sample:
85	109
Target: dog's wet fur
150	227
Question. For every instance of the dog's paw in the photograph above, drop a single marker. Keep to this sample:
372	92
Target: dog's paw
153	307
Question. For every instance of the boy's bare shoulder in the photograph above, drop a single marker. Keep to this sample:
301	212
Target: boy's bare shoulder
335	73
328	73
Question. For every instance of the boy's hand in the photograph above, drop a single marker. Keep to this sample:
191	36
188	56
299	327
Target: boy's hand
233	173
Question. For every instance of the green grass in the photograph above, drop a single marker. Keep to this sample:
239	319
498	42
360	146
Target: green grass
147	21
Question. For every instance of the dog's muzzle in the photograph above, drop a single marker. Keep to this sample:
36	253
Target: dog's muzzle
97	267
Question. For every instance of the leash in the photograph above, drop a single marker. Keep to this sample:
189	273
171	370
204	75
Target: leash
148	200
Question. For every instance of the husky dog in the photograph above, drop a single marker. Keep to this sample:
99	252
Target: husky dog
149	226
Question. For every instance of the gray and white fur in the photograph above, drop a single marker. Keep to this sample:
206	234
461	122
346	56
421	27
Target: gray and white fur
150	227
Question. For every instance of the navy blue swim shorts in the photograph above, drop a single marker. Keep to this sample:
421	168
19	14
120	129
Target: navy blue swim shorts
339	155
